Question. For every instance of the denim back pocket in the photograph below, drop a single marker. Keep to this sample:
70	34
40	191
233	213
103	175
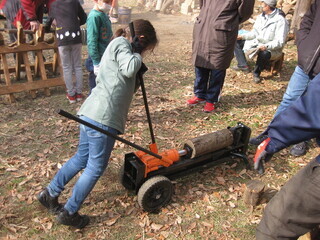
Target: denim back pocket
93	133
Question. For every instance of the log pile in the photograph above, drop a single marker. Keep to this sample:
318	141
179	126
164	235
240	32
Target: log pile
192	6
169	6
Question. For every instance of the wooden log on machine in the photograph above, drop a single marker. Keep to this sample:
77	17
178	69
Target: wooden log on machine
209	142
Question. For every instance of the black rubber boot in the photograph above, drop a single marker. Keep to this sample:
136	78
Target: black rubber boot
51	203
75	220
299	149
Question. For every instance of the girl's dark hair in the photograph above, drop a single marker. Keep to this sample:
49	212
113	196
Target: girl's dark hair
142	28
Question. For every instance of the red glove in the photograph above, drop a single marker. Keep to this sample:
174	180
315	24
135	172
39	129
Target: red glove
262	156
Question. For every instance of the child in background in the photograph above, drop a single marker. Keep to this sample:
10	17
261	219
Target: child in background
107	107
68	16
99	34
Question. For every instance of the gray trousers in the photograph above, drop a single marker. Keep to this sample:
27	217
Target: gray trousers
295	209
71	60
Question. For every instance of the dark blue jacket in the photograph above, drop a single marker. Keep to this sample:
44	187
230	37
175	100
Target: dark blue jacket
69	15
299	122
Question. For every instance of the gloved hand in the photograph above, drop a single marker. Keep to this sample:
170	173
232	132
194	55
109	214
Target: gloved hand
96	69
262	156
136	45
143	69
140	73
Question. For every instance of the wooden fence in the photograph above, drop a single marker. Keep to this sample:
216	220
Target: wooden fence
40	73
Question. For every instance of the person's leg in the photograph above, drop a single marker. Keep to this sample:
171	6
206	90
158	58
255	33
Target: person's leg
100	147
92	76
297	85
239	54
66	61
92	80
294	210
71	167
12	36
201	82
261	63
76	54
215	85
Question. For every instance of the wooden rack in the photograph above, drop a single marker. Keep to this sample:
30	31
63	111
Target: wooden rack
36	73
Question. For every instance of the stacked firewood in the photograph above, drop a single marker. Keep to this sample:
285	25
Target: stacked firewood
164	6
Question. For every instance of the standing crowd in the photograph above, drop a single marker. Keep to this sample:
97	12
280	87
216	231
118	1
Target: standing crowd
115	59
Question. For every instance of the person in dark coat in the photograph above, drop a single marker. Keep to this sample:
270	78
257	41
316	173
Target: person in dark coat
214	37
68	16
308	45
294	210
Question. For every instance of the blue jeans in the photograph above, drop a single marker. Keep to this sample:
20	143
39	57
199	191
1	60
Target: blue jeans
210	92
239	54
93	155
297	85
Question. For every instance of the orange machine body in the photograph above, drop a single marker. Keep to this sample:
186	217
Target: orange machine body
152	163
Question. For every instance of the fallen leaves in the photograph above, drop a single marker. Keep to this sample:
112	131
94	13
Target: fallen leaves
35	142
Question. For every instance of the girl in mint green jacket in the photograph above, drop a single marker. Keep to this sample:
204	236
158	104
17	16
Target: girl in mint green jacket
106	107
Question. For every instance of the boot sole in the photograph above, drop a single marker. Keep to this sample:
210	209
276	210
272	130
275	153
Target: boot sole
85	221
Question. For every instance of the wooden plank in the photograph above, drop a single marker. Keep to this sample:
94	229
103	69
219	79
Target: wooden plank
27	48
18	65
22	67
42	70
27	86
28	71
7	76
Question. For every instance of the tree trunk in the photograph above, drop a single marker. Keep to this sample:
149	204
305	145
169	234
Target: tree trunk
302	6
159	4
165	5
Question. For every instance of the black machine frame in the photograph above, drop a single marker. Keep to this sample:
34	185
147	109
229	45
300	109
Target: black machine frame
134	169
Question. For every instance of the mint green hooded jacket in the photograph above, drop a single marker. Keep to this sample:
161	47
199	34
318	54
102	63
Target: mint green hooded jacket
110	100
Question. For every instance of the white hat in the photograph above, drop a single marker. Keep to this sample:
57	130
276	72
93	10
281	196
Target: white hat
271	3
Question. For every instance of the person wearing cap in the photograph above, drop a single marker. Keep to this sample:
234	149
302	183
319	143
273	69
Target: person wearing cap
266	40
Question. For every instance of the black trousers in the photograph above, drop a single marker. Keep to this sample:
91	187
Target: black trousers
262	61
295	209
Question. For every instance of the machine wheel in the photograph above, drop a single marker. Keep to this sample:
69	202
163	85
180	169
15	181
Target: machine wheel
155	193
124	183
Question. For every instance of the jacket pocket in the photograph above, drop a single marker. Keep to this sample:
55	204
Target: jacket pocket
222	26
315	173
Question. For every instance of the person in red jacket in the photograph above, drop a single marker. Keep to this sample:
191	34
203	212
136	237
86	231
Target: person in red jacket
28	12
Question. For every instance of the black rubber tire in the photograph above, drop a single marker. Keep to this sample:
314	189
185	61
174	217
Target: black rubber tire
155	193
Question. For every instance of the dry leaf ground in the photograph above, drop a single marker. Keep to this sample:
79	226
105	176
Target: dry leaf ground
35	141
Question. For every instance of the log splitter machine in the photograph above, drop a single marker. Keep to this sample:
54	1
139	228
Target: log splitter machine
148	172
